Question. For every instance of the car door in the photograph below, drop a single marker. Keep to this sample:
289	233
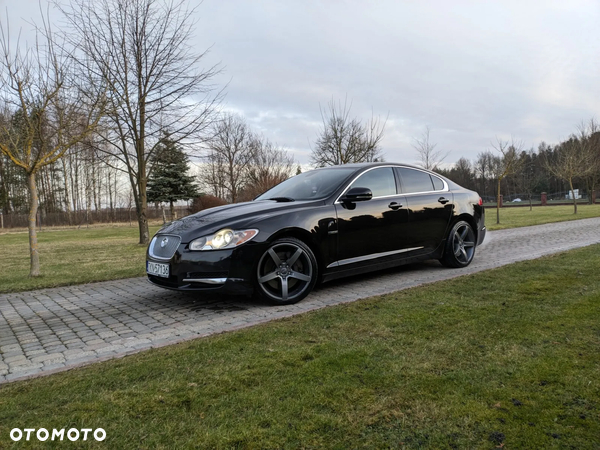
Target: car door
430	208
372	228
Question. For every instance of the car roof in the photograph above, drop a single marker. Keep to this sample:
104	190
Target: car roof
371	164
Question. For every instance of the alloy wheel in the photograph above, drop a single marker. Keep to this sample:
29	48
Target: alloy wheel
286	271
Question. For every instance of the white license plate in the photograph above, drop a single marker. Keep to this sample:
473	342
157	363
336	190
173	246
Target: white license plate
158	269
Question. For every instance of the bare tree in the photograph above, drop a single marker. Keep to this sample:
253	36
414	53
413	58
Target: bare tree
269	166
211	174
483	169
463	173
50	113
505	164
573	159
429	157
229	156
141	51
344	140
529	181
593	147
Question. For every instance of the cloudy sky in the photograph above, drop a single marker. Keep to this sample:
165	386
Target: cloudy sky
472	71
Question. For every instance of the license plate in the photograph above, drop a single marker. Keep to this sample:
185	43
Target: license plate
158	269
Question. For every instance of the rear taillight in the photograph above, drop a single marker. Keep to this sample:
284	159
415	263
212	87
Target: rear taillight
480	203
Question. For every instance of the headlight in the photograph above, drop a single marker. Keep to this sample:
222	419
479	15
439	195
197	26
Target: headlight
225	238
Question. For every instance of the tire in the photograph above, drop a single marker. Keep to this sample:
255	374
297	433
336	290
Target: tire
460	246
286	272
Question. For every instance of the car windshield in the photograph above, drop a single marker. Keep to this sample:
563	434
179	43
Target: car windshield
312	185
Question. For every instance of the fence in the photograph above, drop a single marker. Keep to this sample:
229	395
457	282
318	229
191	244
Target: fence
82	218
555	198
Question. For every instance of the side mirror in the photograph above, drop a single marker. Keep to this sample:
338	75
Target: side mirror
357	194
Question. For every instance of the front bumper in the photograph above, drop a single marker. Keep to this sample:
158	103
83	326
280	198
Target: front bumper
228	271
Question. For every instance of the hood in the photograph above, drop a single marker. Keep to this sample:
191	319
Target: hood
235	216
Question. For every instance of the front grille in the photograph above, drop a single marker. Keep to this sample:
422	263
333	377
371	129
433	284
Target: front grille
164	246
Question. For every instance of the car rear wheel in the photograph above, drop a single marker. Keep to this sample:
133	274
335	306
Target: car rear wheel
460	246
286	272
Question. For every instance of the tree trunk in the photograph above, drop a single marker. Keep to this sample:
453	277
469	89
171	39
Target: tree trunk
67	200
74	176
573	194
143	224
34	254
110	196
141	206
173	213
114	211
93	188
498	202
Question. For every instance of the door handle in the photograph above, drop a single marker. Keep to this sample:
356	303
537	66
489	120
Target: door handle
443	200
395	205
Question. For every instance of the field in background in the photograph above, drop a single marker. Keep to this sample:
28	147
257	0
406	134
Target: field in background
72	256
523	217
108	252
503	358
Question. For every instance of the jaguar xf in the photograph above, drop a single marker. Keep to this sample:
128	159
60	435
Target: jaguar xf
317	226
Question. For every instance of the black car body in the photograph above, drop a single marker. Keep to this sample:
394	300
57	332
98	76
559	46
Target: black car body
320	225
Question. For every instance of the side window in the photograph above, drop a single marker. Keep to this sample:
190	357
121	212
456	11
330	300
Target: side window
438	184
415	181
381	181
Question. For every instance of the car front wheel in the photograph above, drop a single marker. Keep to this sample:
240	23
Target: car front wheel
286	272
460	246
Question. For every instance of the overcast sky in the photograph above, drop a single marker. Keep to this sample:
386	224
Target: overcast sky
470	70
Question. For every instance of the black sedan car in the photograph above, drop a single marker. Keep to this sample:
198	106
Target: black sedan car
317	226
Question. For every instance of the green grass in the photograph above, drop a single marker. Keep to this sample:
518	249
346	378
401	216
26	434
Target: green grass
505	357
522	217
72	256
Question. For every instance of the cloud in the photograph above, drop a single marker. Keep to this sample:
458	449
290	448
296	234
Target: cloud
469	70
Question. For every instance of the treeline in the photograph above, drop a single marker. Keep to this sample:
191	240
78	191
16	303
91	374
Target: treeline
234	164
573	164
79	181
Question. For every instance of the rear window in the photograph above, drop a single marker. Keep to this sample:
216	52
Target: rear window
438	184
415	181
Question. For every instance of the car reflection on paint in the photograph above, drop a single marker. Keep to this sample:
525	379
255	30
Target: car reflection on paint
317	226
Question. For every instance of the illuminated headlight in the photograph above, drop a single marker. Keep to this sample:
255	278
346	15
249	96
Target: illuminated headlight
225	238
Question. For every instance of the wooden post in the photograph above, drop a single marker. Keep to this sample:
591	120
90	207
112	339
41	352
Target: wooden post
544	199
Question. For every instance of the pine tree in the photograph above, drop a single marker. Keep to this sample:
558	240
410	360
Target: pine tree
169	181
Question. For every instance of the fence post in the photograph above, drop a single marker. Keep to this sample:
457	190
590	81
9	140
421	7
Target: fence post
544	199
593	199
1	220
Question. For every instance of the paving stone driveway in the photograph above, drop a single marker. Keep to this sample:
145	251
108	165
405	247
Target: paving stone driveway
51	330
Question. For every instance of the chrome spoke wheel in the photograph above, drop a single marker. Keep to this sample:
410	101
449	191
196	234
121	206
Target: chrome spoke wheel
286	272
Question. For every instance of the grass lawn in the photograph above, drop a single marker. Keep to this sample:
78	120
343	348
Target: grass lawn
514	217
72	256
507	357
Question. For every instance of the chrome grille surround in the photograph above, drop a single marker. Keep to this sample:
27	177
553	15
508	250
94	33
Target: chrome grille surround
165	252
